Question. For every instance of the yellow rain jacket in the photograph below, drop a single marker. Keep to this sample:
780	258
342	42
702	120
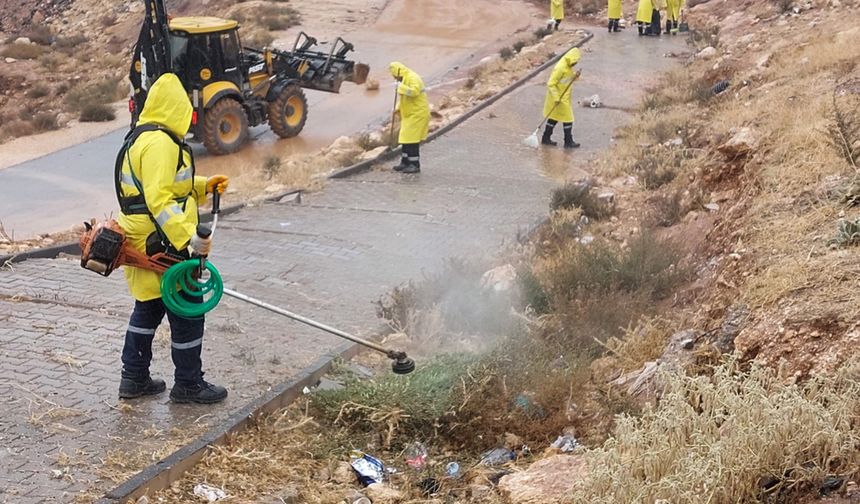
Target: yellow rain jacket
171	193
614	9
646	8
559	88
556	9
673	9
413	105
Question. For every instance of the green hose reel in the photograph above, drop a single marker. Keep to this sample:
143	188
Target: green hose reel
185	295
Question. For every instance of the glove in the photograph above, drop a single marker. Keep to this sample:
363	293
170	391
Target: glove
220	181
200	246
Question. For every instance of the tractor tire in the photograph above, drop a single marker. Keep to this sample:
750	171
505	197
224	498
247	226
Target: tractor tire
289	112
225	127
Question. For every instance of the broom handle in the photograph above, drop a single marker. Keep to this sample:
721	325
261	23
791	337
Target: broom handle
393	112
554	106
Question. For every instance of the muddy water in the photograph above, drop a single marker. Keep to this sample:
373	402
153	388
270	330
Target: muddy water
434	37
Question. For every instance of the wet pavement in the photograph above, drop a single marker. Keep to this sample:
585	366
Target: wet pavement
62	189
328	258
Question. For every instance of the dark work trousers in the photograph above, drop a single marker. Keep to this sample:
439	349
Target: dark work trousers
411	154
655	22
186	342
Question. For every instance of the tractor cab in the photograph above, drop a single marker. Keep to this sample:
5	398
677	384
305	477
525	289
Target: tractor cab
206	50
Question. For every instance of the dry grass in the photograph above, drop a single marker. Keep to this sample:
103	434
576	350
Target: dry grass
38	91
98	93
22	51
97	112
732	437
640	343
579	194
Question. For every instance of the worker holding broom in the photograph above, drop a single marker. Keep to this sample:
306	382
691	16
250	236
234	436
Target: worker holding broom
414	112
557	105
159	194
614	14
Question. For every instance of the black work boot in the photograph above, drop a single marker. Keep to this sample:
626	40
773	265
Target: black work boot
617	27
202	393
547	137
403	164
412	168
569	143
130	388
611	24
668	26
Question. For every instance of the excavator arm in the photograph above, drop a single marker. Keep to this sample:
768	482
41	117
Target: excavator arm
151	55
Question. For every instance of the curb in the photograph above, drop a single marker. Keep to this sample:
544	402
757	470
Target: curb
160	475
367	164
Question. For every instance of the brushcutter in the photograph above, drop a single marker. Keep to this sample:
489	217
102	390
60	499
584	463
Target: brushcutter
104	248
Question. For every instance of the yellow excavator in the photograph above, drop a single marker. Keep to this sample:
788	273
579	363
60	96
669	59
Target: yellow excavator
230	86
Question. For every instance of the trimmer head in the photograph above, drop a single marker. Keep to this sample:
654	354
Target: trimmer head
403	365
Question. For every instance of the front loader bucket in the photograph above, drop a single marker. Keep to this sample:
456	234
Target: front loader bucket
360	72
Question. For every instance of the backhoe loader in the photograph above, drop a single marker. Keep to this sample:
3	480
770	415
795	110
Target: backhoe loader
232	87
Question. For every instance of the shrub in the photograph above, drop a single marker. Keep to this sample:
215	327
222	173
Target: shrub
579	194
648	266
98	93
667	209
518	46
40	34
97	112
506	53
70	42
656	168
45	121
542	32
271	166
408	405
534	296
51	61
38	91
17	128
275	18
23	51
784	6
733	437
257	38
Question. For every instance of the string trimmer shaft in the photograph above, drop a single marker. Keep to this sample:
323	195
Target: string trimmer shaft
402	363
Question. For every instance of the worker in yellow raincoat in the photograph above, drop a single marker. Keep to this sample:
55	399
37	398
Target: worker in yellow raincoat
614	14
643	16
557	106
556	11
158	194
673	15
414	116
659	6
